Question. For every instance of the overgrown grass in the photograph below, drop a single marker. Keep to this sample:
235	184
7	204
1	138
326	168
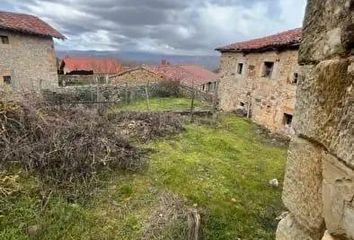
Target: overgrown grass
117	212
224	170
162	104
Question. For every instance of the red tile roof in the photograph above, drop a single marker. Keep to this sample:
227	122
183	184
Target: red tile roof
97	65
291	38
27	24
201	74
187	74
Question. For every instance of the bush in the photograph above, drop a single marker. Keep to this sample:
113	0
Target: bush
168	89
65	146
145	126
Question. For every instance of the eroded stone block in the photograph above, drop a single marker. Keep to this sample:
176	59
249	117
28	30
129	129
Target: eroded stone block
325	107
289	229
302	193
328	236
338	197
326	27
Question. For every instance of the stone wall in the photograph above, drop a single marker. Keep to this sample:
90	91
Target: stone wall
267	98
74	80
319	180
29	60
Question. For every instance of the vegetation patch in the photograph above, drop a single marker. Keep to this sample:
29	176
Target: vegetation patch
64	146
219	168
144	126
224	170
70	146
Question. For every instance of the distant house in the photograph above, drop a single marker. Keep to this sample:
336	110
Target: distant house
188	75
84	70
136	75
206	80
259	77
27	55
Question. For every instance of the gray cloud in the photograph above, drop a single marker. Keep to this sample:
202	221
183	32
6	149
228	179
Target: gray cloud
164	26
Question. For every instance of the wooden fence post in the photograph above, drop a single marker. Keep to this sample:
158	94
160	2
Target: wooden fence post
147	96
249	105
193	225
126	93
192	102
215	103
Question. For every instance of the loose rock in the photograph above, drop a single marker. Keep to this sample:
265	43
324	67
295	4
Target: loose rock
274	182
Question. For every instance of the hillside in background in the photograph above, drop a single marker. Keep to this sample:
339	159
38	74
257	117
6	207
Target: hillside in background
210	62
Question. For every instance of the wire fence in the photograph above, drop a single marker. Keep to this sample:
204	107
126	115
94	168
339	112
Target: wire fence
126	93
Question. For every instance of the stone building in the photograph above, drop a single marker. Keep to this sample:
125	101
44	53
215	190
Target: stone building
27	55
140	75
319	179
192	76
258	78
206	80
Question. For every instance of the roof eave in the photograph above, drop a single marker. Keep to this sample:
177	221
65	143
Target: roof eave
263	49
57	36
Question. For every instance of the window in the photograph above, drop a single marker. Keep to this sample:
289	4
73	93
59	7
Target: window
242	104
295	78
4	39
209	86
288	119
268	69
7	79
240	68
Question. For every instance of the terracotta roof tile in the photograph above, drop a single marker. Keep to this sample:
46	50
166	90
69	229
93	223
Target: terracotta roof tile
201	74
125	71
97	65
27	24
280	40
186	74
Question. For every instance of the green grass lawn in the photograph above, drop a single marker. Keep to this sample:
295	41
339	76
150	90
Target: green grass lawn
163	104
224	170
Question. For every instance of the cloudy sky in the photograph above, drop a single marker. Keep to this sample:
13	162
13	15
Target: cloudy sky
193	27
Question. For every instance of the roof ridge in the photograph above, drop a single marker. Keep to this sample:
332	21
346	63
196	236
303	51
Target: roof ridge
24	14
28	24
17	13
289	36
271	35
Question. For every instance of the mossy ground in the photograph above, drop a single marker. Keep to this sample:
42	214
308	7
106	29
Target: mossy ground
224	169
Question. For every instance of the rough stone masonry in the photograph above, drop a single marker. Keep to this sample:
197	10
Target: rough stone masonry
29	60
319	180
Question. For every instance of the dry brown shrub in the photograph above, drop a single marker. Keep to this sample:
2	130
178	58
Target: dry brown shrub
69	146
65	146
145	126
168	219
168	88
